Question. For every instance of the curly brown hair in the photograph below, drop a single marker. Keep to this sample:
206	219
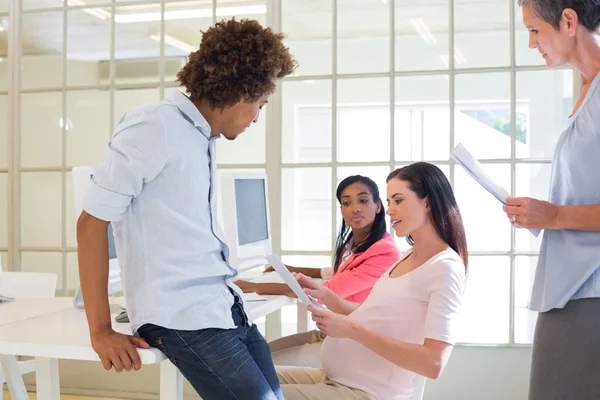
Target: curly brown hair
237	60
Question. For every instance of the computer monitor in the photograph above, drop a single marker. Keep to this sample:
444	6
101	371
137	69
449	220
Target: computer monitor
245	210
81	180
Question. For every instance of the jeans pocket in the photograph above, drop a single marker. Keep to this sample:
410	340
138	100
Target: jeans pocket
154	336
160	345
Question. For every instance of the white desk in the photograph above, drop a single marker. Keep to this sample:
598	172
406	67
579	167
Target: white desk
258	309
64	334
24	309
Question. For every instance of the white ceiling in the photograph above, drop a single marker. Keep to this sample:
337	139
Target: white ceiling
89	36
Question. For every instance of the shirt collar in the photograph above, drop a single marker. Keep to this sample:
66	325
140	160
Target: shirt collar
188	108
350	245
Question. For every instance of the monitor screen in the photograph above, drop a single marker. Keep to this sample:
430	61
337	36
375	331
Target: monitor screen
251	210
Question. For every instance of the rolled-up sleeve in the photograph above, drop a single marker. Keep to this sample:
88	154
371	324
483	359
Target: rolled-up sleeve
135	155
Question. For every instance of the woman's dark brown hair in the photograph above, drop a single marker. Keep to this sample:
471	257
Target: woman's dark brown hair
427	180
237	61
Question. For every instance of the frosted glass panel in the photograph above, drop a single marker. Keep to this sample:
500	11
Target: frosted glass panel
306	209
40	4
70	217
306	121
4	82
4	150
4	210
481	33
363	108
42	49
88	45
72	273
311	47
41	209
137	53
41	129
363	36
482	114
40	261
88	129
525	319
421	35
485	311
422	118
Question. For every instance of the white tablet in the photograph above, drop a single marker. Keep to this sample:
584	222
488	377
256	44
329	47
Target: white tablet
289	279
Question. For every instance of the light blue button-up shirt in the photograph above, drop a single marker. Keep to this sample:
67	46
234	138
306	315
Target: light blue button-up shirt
157	185
569	262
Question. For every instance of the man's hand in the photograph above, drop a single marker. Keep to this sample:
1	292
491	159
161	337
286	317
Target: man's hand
118	350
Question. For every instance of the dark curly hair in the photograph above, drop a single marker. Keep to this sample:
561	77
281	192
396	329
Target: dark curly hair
237	60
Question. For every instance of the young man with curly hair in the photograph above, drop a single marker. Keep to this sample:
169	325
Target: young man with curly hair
156	185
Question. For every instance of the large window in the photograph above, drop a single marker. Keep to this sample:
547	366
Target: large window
381	83
378	87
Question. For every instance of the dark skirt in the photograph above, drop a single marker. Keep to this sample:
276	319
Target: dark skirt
565	362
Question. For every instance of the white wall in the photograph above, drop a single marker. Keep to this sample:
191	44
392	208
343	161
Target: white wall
483	373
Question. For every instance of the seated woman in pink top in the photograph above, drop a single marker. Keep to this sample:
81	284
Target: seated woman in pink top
407	324
364	251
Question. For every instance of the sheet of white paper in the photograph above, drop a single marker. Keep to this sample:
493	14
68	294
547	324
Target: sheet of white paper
289	279
476	171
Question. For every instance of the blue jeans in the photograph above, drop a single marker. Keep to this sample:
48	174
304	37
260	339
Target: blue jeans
224	364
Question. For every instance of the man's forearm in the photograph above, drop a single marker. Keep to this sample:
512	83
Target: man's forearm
93	271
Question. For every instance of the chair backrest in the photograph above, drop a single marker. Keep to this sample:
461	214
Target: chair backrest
419	387
24	285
